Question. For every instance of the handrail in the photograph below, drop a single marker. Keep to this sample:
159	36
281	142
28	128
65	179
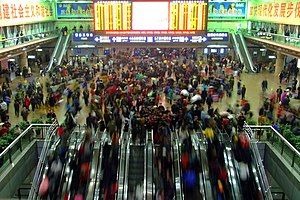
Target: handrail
179	193
236	47
54	52
259	164
23	36
10	146
247	52
278	134
41	162
269	34
145	167
122	163
125	186
63	49
99	162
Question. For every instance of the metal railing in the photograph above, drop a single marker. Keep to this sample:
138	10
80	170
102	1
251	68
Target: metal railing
287	40
38	131
288	152
266	189
42	160
54	53
248	57
26	38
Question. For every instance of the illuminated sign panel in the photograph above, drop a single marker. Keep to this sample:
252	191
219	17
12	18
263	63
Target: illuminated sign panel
228	10
74	10
150	17
22	12
286	12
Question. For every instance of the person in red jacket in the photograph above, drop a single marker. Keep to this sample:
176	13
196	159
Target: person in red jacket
27	102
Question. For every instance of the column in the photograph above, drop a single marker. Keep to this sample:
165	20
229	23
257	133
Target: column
279	62
23	60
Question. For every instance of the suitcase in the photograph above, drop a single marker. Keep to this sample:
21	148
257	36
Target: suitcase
215	97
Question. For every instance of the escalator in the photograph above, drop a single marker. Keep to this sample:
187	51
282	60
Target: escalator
59	51
55	149
242	52
136	169
204	179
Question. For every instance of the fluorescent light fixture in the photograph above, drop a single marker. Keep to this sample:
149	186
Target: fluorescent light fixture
272	57
217	46
39	49
24	49
85	46
12	60
9	55
262	49
213	50
31	57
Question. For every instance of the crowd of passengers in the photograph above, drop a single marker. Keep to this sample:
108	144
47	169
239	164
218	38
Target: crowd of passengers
134	89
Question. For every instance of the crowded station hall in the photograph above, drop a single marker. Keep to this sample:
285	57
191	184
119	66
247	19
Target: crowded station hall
150	100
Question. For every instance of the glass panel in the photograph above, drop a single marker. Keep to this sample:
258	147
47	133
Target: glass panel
292	41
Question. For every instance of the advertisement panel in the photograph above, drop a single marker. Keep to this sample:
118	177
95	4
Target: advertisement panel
277	11
22	12
137	17
227	10
74	10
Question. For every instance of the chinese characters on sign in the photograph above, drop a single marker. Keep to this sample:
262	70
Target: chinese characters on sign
20	13
287	12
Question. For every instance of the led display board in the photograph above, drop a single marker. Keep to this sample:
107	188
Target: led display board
74	10
22	12
277	11
227	10
141	17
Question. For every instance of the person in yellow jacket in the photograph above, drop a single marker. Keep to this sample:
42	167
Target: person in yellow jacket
209	133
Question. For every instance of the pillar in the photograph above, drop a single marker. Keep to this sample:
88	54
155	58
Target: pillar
279	62
23	60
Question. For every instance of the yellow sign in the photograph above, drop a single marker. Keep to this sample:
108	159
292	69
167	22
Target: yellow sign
112	16
187	16
22	12
279	12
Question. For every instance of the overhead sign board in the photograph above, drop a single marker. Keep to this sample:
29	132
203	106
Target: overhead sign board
83	36
227	10
150	39
210	36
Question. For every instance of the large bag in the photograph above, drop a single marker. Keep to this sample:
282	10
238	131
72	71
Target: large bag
44	186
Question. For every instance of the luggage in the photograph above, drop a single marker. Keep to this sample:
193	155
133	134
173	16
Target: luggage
43	190
215	97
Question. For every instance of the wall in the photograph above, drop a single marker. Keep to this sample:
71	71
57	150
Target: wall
14	176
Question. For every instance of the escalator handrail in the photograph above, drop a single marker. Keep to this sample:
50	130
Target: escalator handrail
180	193
50	134
99	162
197	147
258	163
221	139
251	65
66	165
125	185
54	52
145	167
63	50
237	48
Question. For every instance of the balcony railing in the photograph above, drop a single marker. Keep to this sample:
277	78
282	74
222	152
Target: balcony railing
34	131
287	151
26	38
287	40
